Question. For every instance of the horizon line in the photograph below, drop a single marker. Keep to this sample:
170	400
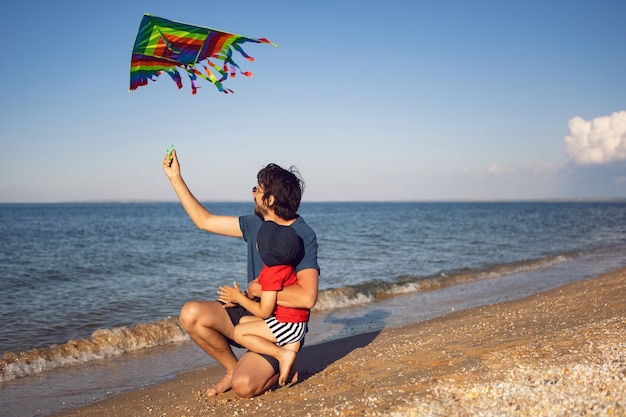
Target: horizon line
450	200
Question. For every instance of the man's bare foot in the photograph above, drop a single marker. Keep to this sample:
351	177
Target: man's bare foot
221	387
286	361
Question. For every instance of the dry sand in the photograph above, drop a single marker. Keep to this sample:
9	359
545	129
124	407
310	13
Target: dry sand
561	352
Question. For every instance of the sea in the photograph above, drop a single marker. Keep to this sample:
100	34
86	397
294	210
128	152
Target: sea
90	292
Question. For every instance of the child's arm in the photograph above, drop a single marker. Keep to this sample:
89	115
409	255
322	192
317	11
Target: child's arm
262	309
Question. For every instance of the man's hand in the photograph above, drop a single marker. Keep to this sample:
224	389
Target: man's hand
171	167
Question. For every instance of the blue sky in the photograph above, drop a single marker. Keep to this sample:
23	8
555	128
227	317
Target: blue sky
395	100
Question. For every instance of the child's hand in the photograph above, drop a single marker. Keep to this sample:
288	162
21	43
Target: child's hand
254	290
230	295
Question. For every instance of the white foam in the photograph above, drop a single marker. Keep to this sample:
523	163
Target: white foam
103	343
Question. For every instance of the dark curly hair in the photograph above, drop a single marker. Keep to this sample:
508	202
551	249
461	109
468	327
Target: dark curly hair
285	185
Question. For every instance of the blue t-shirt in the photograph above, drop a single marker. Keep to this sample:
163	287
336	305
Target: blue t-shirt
250	227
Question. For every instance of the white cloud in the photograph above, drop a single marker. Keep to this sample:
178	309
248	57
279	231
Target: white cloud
542	168
599	141
499	169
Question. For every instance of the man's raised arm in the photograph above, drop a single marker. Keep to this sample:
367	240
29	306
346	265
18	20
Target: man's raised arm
201	217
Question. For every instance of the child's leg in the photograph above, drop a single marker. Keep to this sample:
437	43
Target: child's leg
247	319
257	336
290	351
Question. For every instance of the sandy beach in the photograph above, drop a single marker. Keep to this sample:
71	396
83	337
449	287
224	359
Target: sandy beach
561	352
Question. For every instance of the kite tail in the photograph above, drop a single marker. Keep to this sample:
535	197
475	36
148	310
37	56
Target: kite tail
229	62
175	76
223	71
194	73
242	52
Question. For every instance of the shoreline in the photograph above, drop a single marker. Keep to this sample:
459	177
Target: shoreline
557	352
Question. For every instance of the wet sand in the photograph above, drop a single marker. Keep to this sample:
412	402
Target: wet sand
561	352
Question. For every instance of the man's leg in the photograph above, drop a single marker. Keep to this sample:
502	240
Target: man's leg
257	336
253	375
208	324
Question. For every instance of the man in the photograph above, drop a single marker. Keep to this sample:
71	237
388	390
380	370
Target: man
210	323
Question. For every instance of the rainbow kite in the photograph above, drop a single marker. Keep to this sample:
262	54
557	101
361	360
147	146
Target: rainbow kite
165	45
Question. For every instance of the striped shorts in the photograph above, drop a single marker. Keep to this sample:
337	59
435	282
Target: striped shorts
286	333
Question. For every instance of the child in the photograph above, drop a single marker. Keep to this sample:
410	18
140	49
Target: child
273	330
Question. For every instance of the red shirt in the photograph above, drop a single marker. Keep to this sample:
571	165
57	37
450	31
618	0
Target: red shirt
275	278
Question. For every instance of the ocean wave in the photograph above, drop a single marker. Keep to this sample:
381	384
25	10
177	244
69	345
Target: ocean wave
371	291
103	343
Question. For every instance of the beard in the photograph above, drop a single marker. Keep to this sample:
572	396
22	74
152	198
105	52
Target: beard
260	211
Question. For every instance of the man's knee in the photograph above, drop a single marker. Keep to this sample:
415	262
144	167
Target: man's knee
202	313
244	387
253	376
189	314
